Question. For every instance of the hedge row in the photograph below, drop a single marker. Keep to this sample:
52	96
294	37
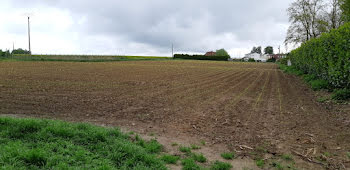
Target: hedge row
327	57
201	57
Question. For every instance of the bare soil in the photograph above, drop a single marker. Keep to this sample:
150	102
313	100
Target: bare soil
253	109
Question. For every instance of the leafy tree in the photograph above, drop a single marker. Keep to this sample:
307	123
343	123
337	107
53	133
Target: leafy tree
310	18
256	50
4	53
20	51
221	52
268	50
345	7
334	16
306	21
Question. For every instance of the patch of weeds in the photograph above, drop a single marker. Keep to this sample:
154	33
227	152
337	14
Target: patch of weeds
298	72
322	99
253	153
35	157
348	155
169	159
287	157
131	133
319	84
228	155
291	167
220	166
189	164
199	157
309	77
203	142
327	154
174	144
184	149
153	146
260	163
291	70
341	94
195	147
152	134
277	165
320	158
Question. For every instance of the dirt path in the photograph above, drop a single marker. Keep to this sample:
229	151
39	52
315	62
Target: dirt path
250	108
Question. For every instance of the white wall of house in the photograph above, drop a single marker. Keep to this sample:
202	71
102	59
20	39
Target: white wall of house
257	57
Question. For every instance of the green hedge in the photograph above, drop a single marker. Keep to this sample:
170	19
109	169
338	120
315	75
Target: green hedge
200	57
327	57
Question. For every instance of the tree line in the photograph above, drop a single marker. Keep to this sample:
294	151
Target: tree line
7	53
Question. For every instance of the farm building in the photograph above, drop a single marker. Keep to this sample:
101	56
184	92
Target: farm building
210	53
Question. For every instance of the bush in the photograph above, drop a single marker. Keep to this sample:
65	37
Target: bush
271	60
291	70
327	57
309	77
251	60
284	61
319	84
341	94
201	57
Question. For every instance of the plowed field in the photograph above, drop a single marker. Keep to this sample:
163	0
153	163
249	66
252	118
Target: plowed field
251	108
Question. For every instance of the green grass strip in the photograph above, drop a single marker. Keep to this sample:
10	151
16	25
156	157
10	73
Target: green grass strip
49	144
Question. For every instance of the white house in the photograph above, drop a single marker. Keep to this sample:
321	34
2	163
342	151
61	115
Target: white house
256	57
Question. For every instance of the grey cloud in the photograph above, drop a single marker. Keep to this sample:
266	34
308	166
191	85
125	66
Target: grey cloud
189	24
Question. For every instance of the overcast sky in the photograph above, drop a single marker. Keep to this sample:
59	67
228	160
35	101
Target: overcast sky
143	27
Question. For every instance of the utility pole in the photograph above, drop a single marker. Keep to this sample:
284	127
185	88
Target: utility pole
30	51
172	50
279	49
13	48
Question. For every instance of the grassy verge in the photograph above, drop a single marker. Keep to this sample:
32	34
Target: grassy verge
48	144
318	84
81	58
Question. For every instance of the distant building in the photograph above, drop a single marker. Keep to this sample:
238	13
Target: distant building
263	58
257	57
210	53
278	56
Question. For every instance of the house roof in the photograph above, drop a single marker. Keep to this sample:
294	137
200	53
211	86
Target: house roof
210	53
